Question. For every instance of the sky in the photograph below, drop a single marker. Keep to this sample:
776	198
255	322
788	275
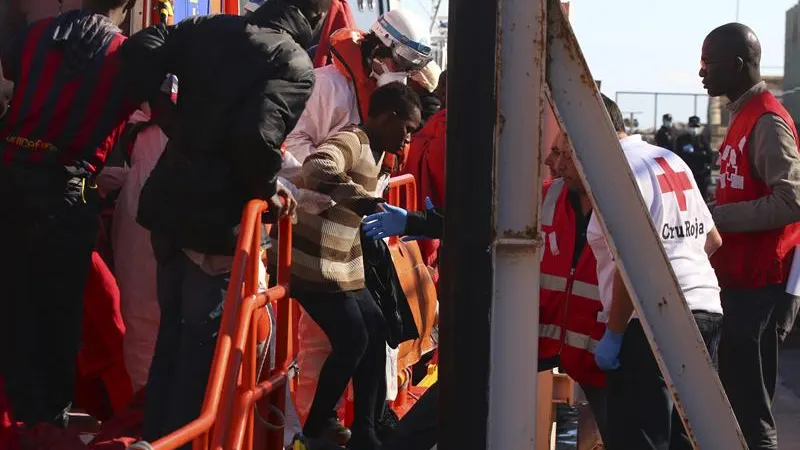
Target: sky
649	45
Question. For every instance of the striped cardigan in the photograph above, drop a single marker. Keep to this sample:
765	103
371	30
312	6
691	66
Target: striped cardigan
326	253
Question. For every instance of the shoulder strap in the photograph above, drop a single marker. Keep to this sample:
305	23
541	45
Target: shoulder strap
552	192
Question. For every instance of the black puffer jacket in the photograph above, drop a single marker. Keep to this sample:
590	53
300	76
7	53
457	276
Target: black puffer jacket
243	83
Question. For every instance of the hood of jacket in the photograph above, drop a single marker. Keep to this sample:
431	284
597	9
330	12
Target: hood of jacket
82	35
280	15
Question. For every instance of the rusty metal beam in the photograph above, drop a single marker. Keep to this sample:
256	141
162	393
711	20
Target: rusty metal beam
522	42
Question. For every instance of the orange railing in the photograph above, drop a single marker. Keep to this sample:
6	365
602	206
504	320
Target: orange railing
226	420
227	417
403	192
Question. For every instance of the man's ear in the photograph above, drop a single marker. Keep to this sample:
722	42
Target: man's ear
739	64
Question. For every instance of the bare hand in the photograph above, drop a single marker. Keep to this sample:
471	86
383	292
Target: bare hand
282	203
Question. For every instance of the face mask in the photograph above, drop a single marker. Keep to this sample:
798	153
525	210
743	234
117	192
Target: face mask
694	131
667	123
387	76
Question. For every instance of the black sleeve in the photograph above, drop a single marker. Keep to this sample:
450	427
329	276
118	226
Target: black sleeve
151	54
428	223
265	120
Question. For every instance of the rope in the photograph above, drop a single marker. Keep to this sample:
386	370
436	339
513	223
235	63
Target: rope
272	408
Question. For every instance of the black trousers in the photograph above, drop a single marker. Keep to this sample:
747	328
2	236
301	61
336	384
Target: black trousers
755	322
641	414
191	303
49	226
355	328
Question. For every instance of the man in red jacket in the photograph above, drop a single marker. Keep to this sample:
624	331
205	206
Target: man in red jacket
569	296
757	212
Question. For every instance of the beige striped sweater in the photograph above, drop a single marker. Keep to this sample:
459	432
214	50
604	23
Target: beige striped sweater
326	254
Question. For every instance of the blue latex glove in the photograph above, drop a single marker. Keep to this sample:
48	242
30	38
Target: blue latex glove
429	206
390	222
606	354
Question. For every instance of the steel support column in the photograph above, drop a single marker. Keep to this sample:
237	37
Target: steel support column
518	152
490	257
466	284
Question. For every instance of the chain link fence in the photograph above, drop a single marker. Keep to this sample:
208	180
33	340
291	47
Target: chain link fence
643	110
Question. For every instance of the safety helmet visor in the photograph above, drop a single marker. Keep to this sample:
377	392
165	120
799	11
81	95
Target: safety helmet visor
408	60
408	55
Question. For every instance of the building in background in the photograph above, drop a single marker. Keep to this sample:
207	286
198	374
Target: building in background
791	63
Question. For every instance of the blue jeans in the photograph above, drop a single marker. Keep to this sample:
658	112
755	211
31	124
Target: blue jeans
641	414
191	310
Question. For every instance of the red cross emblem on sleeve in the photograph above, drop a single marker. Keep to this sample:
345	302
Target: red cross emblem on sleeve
671	181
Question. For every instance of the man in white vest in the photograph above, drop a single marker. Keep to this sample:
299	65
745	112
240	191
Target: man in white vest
641	414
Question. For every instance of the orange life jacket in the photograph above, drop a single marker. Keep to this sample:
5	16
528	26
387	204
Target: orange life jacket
751	260
569	297
348	59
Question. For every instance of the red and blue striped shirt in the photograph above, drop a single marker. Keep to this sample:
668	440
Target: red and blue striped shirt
69	104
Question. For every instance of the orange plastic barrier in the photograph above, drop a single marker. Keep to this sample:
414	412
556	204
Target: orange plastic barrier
415	279
402	193
226	420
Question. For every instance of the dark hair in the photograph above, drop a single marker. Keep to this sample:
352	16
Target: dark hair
372	47
396	98
313	10
614	114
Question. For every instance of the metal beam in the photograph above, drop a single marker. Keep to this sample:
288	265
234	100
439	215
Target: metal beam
466	283
668	323
520	69
679	94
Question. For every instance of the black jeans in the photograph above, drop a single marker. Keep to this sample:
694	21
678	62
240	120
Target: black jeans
598	403
419	427
748	357
641	414
191	304
355	328
49	226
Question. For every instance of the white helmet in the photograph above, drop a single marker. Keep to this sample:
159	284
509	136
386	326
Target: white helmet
405	33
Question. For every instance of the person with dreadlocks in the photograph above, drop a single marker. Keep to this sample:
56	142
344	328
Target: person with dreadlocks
66	112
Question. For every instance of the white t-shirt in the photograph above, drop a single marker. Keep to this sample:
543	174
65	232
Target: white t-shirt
681	218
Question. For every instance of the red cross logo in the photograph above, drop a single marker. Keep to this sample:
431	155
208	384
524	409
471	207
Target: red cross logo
672	181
